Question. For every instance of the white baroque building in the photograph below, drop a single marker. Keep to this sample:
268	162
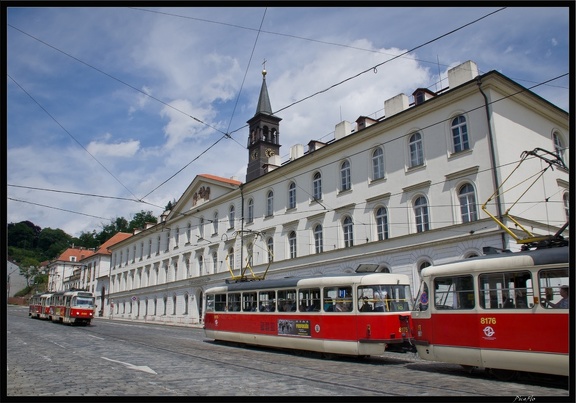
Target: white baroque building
403	191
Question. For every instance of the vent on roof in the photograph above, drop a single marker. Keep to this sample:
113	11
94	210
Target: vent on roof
315	145
363	122
421	95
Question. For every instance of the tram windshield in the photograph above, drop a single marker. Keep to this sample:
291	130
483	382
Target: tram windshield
85	302
384	298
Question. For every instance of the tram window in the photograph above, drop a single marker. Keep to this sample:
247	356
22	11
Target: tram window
234	302
287	300
210	302
220	302
249	302
267	301
552	282
507	290
455	292
384	298
309	300
338	299
422	298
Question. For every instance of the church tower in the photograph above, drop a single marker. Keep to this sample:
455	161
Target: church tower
264	137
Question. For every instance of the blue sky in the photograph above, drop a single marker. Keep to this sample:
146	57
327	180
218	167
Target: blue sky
115	101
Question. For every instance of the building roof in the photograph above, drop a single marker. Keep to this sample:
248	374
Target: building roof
118	237
220	179
78	252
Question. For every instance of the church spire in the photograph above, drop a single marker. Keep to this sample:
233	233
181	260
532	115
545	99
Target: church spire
264	137
264	101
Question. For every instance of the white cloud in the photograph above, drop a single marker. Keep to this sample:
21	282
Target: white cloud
124	149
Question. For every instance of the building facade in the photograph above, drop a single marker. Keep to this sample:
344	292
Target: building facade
404	191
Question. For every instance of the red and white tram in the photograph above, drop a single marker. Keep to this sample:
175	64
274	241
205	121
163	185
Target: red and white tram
72	307
500	312
35	306
359	314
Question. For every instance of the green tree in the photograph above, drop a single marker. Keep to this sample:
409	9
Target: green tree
119	224
23	235
140	219
53	242
87	240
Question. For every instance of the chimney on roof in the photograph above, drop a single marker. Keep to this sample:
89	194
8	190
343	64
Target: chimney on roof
296	151
342	129
462	73
396	105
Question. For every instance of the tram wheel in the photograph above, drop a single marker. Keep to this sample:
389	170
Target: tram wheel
503	374
328	356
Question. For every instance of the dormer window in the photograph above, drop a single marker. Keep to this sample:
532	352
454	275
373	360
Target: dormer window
72	258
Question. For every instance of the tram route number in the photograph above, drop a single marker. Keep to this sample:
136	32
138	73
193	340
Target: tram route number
403	329
487	321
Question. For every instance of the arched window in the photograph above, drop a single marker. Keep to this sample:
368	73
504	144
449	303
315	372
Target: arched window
421	214
231	216
174	305
270	247
566	199
348	228
318	239
345	183
250	253
292	244
270	204
231	258
423	265
251	210
215	223
460	134
201	228
382	223
416	150
200	265
467	197
317	186
378	164
215	261
186	304
188	232
292	195
558	146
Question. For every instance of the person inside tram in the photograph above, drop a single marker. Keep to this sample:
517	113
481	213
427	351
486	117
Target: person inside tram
379	297
507	302
564	303
365	307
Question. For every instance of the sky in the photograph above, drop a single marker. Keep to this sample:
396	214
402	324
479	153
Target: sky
115	110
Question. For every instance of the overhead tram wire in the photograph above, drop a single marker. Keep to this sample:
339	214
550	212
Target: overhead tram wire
71	136
56	208
374	68
246	72
85	194
118	80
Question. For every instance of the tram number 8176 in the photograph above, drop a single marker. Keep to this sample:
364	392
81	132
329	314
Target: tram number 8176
487	321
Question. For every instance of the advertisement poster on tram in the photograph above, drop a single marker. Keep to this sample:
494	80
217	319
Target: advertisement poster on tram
291	327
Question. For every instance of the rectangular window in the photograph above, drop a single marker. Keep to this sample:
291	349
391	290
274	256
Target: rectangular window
553	288
309	300
249	302
509	290
220	302
234	302
267	301
338	299
455	292
287	300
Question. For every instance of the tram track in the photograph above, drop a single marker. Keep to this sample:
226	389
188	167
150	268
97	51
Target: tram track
392	374
350	382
